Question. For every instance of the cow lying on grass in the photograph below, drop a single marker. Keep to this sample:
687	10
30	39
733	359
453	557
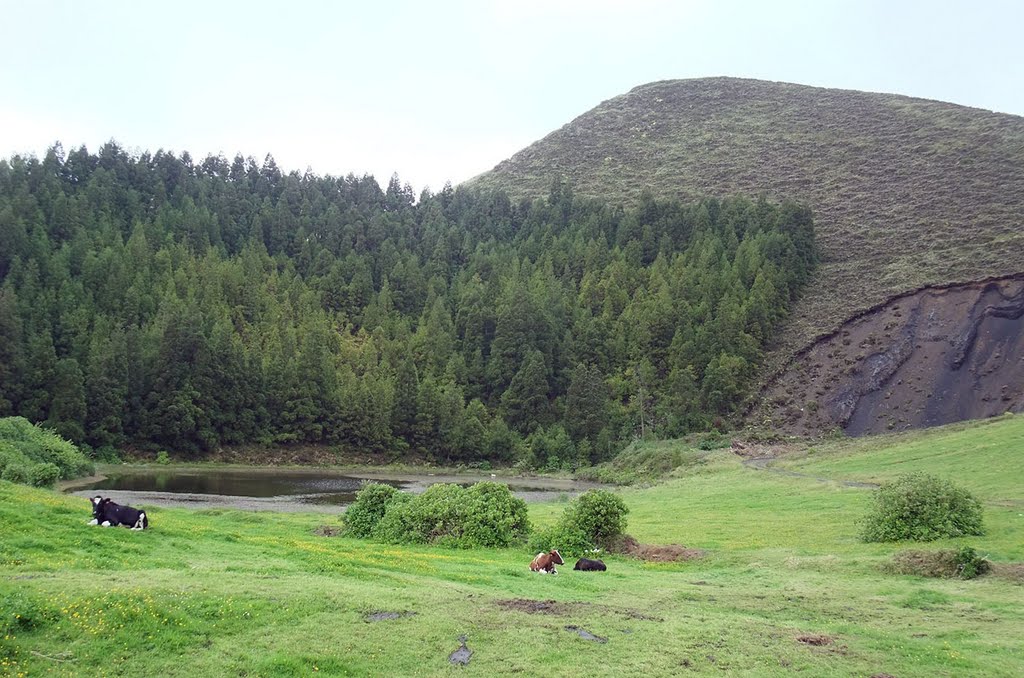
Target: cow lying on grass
108	514
588	565
545	563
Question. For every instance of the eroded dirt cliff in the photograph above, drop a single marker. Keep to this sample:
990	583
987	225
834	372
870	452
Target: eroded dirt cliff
932	357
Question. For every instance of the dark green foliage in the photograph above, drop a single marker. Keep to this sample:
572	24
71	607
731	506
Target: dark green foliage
362	516
155	302
921	507
494	516
599	514
962	563
485	514
595	519
16	472
44	475
32	455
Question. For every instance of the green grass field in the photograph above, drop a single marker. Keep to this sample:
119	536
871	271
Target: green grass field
215	593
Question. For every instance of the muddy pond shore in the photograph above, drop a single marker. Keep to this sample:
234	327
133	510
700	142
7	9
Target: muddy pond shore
287	489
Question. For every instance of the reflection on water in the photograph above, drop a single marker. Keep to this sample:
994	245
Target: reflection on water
326	488
318	489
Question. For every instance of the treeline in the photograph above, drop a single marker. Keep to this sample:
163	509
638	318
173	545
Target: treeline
153	301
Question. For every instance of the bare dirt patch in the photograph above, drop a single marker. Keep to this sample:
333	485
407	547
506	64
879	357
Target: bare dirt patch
815	639
327	531
536	606
384	615
1012	572
656	553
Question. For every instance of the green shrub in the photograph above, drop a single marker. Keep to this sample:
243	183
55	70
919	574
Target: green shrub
163	458
921	507
362	516
713	441
599	515
484	515
434	517
963	563
392	526
43	475
595	519
494	517
16	473
10	455
569	541
35	445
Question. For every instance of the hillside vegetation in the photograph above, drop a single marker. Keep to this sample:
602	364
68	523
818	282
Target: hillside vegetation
30	454
155	302
906	192
786	584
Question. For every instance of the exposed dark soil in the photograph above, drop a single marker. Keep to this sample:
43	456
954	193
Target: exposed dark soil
387	616
536	606
933	357
554	607
657	553
327	531
462	655
815	639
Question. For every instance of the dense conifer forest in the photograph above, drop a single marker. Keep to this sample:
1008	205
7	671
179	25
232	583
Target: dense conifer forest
156	302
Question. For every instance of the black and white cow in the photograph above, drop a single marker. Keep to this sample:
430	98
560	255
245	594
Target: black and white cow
588	565
108	514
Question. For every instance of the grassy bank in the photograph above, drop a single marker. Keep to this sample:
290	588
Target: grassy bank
259	594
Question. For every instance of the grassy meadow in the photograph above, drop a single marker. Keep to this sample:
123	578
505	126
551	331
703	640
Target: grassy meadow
785	587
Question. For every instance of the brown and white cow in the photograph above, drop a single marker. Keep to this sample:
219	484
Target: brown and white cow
545	563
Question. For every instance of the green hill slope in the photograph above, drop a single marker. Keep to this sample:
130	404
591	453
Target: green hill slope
906	192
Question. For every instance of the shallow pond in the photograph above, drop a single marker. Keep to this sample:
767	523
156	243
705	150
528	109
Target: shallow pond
275	489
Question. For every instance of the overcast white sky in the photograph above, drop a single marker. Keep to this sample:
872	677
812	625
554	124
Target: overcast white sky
444	90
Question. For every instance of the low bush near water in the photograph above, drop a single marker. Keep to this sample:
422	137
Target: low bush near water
365	512
485	514
32	455
921	507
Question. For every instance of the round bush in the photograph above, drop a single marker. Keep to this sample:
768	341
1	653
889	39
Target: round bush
485	514
494	516
432	517
921	507
44	475
594	519
16	473
362	516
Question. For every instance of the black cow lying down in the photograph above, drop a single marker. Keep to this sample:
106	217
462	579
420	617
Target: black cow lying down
590	565
108	514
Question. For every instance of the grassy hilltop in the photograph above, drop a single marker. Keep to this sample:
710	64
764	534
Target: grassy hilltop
906	192
786	586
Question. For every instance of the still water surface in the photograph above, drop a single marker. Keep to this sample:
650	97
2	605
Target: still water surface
282	489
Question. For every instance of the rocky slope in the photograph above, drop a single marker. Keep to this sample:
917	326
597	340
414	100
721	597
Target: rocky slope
927	358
